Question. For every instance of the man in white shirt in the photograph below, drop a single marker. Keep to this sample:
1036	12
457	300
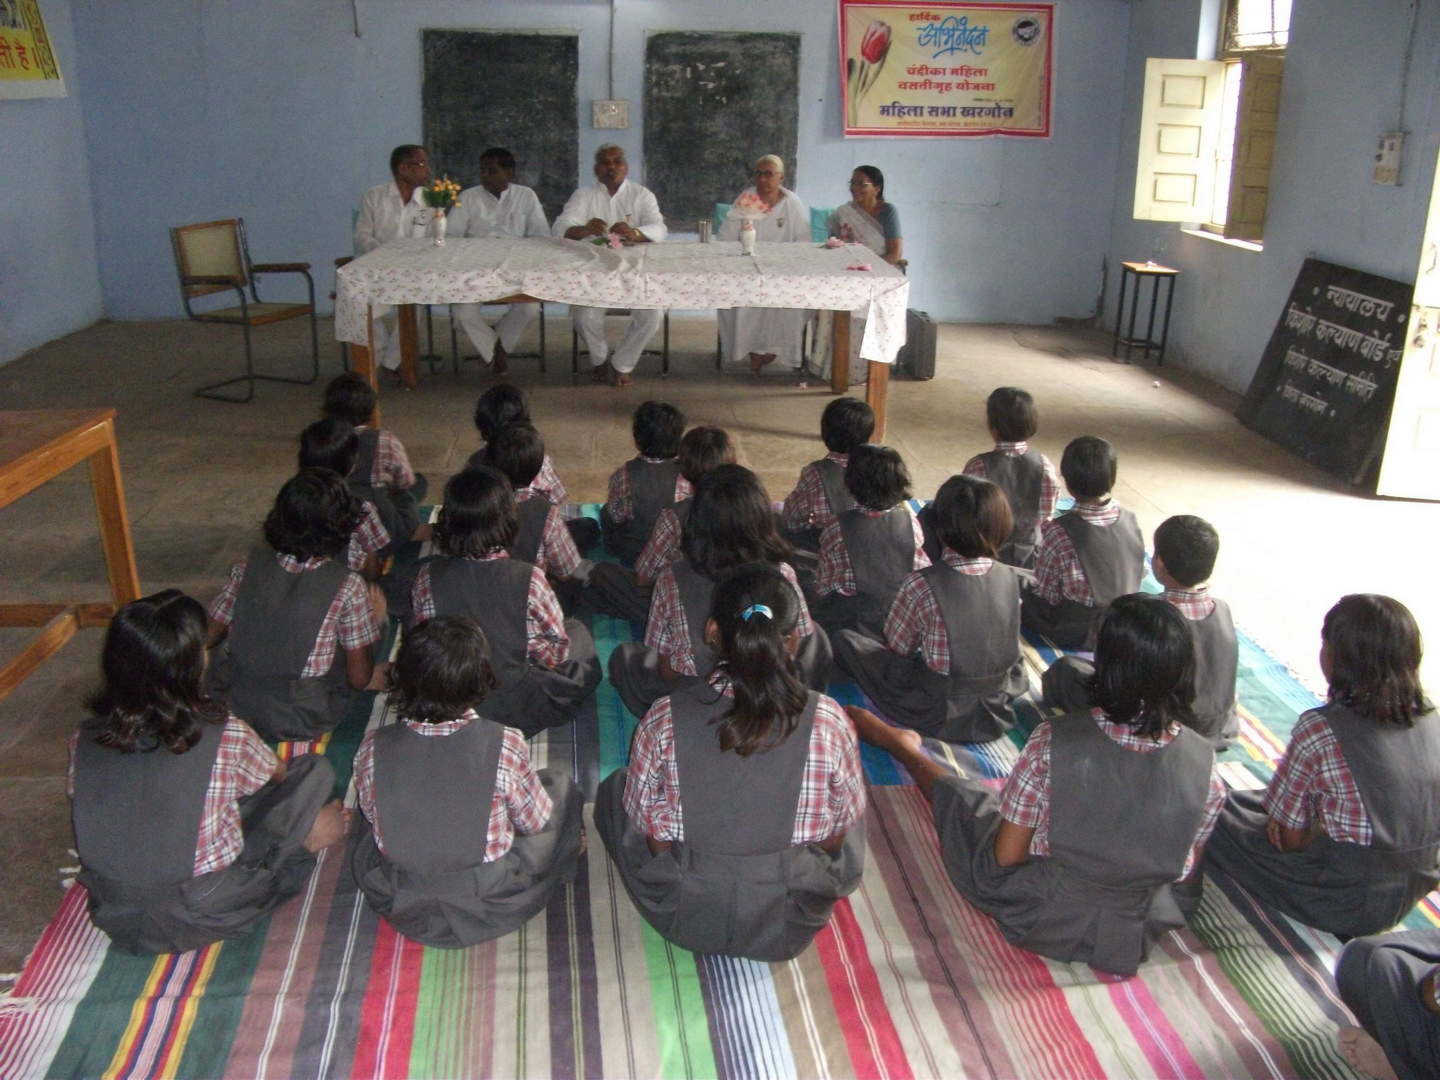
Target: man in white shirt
391	211
616	207
498	208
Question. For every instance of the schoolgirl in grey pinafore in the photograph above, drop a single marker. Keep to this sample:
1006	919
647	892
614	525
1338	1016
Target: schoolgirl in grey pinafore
397	509
974	702
652	489
433	794
882	553
1121	825
1341	887
1113	557
1379	980
741	891
1022	478
613	590
837	495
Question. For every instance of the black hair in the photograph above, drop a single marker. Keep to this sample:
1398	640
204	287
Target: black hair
753	652
1144	665
703	448
1088	466
503	404
657	428
442	670
973	517
876	177
876	476
846	423
153	665
329	444
1011	414
731	522
518	451
313	516
349	397
400	153
479	514
502	157
1375	650
1187	545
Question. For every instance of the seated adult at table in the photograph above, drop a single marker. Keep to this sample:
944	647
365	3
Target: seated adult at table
391	211
866	219
763	336
497	207
613	206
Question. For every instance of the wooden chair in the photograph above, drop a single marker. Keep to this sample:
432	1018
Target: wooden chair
214	257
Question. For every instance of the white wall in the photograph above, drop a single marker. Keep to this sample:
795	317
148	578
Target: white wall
49	278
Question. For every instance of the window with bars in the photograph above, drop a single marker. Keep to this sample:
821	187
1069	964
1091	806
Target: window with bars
1254	24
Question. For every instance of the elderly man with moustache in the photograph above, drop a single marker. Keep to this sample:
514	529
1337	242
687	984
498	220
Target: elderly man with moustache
392	211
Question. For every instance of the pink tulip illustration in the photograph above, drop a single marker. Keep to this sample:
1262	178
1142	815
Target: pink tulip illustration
874	47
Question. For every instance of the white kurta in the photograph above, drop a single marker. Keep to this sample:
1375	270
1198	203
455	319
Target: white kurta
516	212
384	217
767	330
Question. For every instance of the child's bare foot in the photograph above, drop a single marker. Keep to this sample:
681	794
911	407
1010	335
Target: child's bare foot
1364	1053
328	827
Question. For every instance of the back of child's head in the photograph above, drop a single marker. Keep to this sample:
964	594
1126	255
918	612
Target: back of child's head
329	444
479	514
846	423
442	671
731	522
349	397
313	516
755	611
1187	545
518	451
703	448
498	407
1373	650
1144	665
876	476
1011	414
153	664
1088	466
973	517
658	428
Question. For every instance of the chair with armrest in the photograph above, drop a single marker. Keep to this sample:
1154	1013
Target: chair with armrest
214	257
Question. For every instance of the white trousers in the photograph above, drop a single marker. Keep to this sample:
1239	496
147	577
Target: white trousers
508	330
387	336
590	322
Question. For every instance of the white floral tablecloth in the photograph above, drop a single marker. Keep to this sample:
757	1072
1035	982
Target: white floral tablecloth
671	275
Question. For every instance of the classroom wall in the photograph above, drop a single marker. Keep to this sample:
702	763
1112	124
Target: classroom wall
285	119
1342	87
49	276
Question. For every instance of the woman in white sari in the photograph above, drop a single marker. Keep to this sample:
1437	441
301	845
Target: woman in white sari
764	336
866	219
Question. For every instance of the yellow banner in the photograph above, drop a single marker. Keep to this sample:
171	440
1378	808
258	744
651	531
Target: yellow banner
27	63
946	68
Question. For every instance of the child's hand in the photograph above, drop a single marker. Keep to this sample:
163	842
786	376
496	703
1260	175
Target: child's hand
380	677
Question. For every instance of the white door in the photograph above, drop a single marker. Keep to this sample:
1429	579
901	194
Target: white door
1179	123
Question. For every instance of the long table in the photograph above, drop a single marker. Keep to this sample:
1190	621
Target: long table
670	275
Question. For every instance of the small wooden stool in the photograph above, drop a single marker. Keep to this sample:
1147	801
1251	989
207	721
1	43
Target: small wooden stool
1156	273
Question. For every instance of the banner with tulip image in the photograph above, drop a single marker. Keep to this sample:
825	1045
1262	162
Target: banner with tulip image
945	68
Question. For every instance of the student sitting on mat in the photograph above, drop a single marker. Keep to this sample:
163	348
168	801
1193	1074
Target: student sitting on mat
189	828
949	665
1103	811
542	539
820	493
466	841
1185	550
1391	983
730	523
646	484
737	824
382	461
544	664
1088	555
1347	836
333	445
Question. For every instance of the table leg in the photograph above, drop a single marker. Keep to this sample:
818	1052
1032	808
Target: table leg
877	390
362	362
840	352
114	522
1119	311
409	343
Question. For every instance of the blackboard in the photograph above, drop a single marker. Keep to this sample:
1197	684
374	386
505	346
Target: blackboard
1327	380
713	104
486	89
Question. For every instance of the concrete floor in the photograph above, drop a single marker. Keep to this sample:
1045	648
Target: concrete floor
200	476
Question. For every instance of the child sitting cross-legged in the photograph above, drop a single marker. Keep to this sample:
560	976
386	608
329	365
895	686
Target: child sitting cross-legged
820	494
333	445
646	484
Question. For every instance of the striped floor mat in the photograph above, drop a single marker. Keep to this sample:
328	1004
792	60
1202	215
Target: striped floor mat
906	981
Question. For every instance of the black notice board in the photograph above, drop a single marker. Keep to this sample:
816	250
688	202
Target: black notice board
484	89
1327	380
714	102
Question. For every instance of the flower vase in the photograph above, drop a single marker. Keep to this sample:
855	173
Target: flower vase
747	238
438	226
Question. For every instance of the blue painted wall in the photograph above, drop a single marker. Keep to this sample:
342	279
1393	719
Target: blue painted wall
49	277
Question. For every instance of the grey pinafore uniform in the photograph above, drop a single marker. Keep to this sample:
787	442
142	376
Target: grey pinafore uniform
1343	887
397	509
652	489
532	513
137	821
1021	477
882	554
837	496
1113	557
974	702
613	590
738	891
1379	980
277	619
1121	824
433	795
495	593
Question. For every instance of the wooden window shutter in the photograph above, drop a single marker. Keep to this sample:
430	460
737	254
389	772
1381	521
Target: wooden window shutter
1255	127
1179	124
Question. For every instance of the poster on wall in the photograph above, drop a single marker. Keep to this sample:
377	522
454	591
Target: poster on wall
945	69
28	68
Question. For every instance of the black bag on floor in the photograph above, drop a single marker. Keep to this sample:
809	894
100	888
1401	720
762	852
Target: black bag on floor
917	356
